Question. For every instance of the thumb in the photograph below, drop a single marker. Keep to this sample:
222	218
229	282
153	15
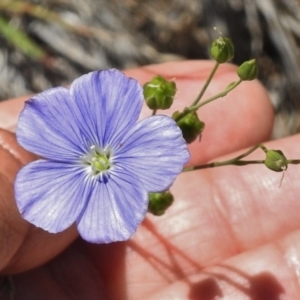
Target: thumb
21	243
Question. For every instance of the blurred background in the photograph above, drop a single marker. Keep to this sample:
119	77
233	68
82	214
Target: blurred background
45	43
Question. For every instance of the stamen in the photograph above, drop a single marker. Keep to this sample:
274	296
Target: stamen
98	160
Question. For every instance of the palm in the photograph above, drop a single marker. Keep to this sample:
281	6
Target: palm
231	231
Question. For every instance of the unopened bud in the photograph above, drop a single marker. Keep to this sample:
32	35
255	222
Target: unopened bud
190	126
159	93
276	161
248	70
222	50
159	202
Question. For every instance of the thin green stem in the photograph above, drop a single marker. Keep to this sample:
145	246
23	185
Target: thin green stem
215	97
249	151
208	80
236	161
154	112
224	163
294	161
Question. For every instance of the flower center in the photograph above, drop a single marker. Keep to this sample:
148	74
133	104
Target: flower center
99	163
98	160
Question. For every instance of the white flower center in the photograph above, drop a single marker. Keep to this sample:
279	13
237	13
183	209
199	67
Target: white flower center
98	160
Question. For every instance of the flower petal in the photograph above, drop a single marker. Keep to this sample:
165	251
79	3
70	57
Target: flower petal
109	102
115	209
46	126
51	195
155	151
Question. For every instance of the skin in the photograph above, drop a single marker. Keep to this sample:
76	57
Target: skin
231	232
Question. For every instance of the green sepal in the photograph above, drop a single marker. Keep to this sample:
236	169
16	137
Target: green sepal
190	125
222	50
276	161
159	93
248	70
159	202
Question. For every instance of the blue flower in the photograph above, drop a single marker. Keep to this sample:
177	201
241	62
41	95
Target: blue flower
98	162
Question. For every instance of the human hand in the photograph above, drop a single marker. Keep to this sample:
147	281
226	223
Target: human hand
231	231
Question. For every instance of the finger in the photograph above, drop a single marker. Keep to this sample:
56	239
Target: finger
241	119
12	227
9	112
268	272
217	214
21	243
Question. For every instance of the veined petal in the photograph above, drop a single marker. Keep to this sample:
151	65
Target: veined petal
51	195
109	104
46	126
155	151
114	210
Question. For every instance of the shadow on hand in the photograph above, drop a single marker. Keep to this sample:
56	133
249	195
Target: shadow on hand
207	289
87	271
6	288
263	286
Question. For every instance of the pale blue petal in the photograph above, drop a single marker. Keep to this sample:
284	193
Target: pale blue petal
51	195
115	209
46	126
155	151
62	124
110	103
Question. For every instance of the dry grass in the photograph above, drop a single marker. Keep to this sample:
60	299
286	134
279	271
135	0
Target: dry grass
77	36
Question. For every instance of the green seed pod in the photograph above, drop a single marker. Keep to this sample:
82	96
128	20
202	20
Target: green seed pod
276	161
159	93
248	70
159	202
190	126
222	50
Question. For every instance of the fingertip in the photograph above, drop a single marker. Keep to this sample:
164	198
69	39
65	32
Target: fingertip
242	118
10	110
